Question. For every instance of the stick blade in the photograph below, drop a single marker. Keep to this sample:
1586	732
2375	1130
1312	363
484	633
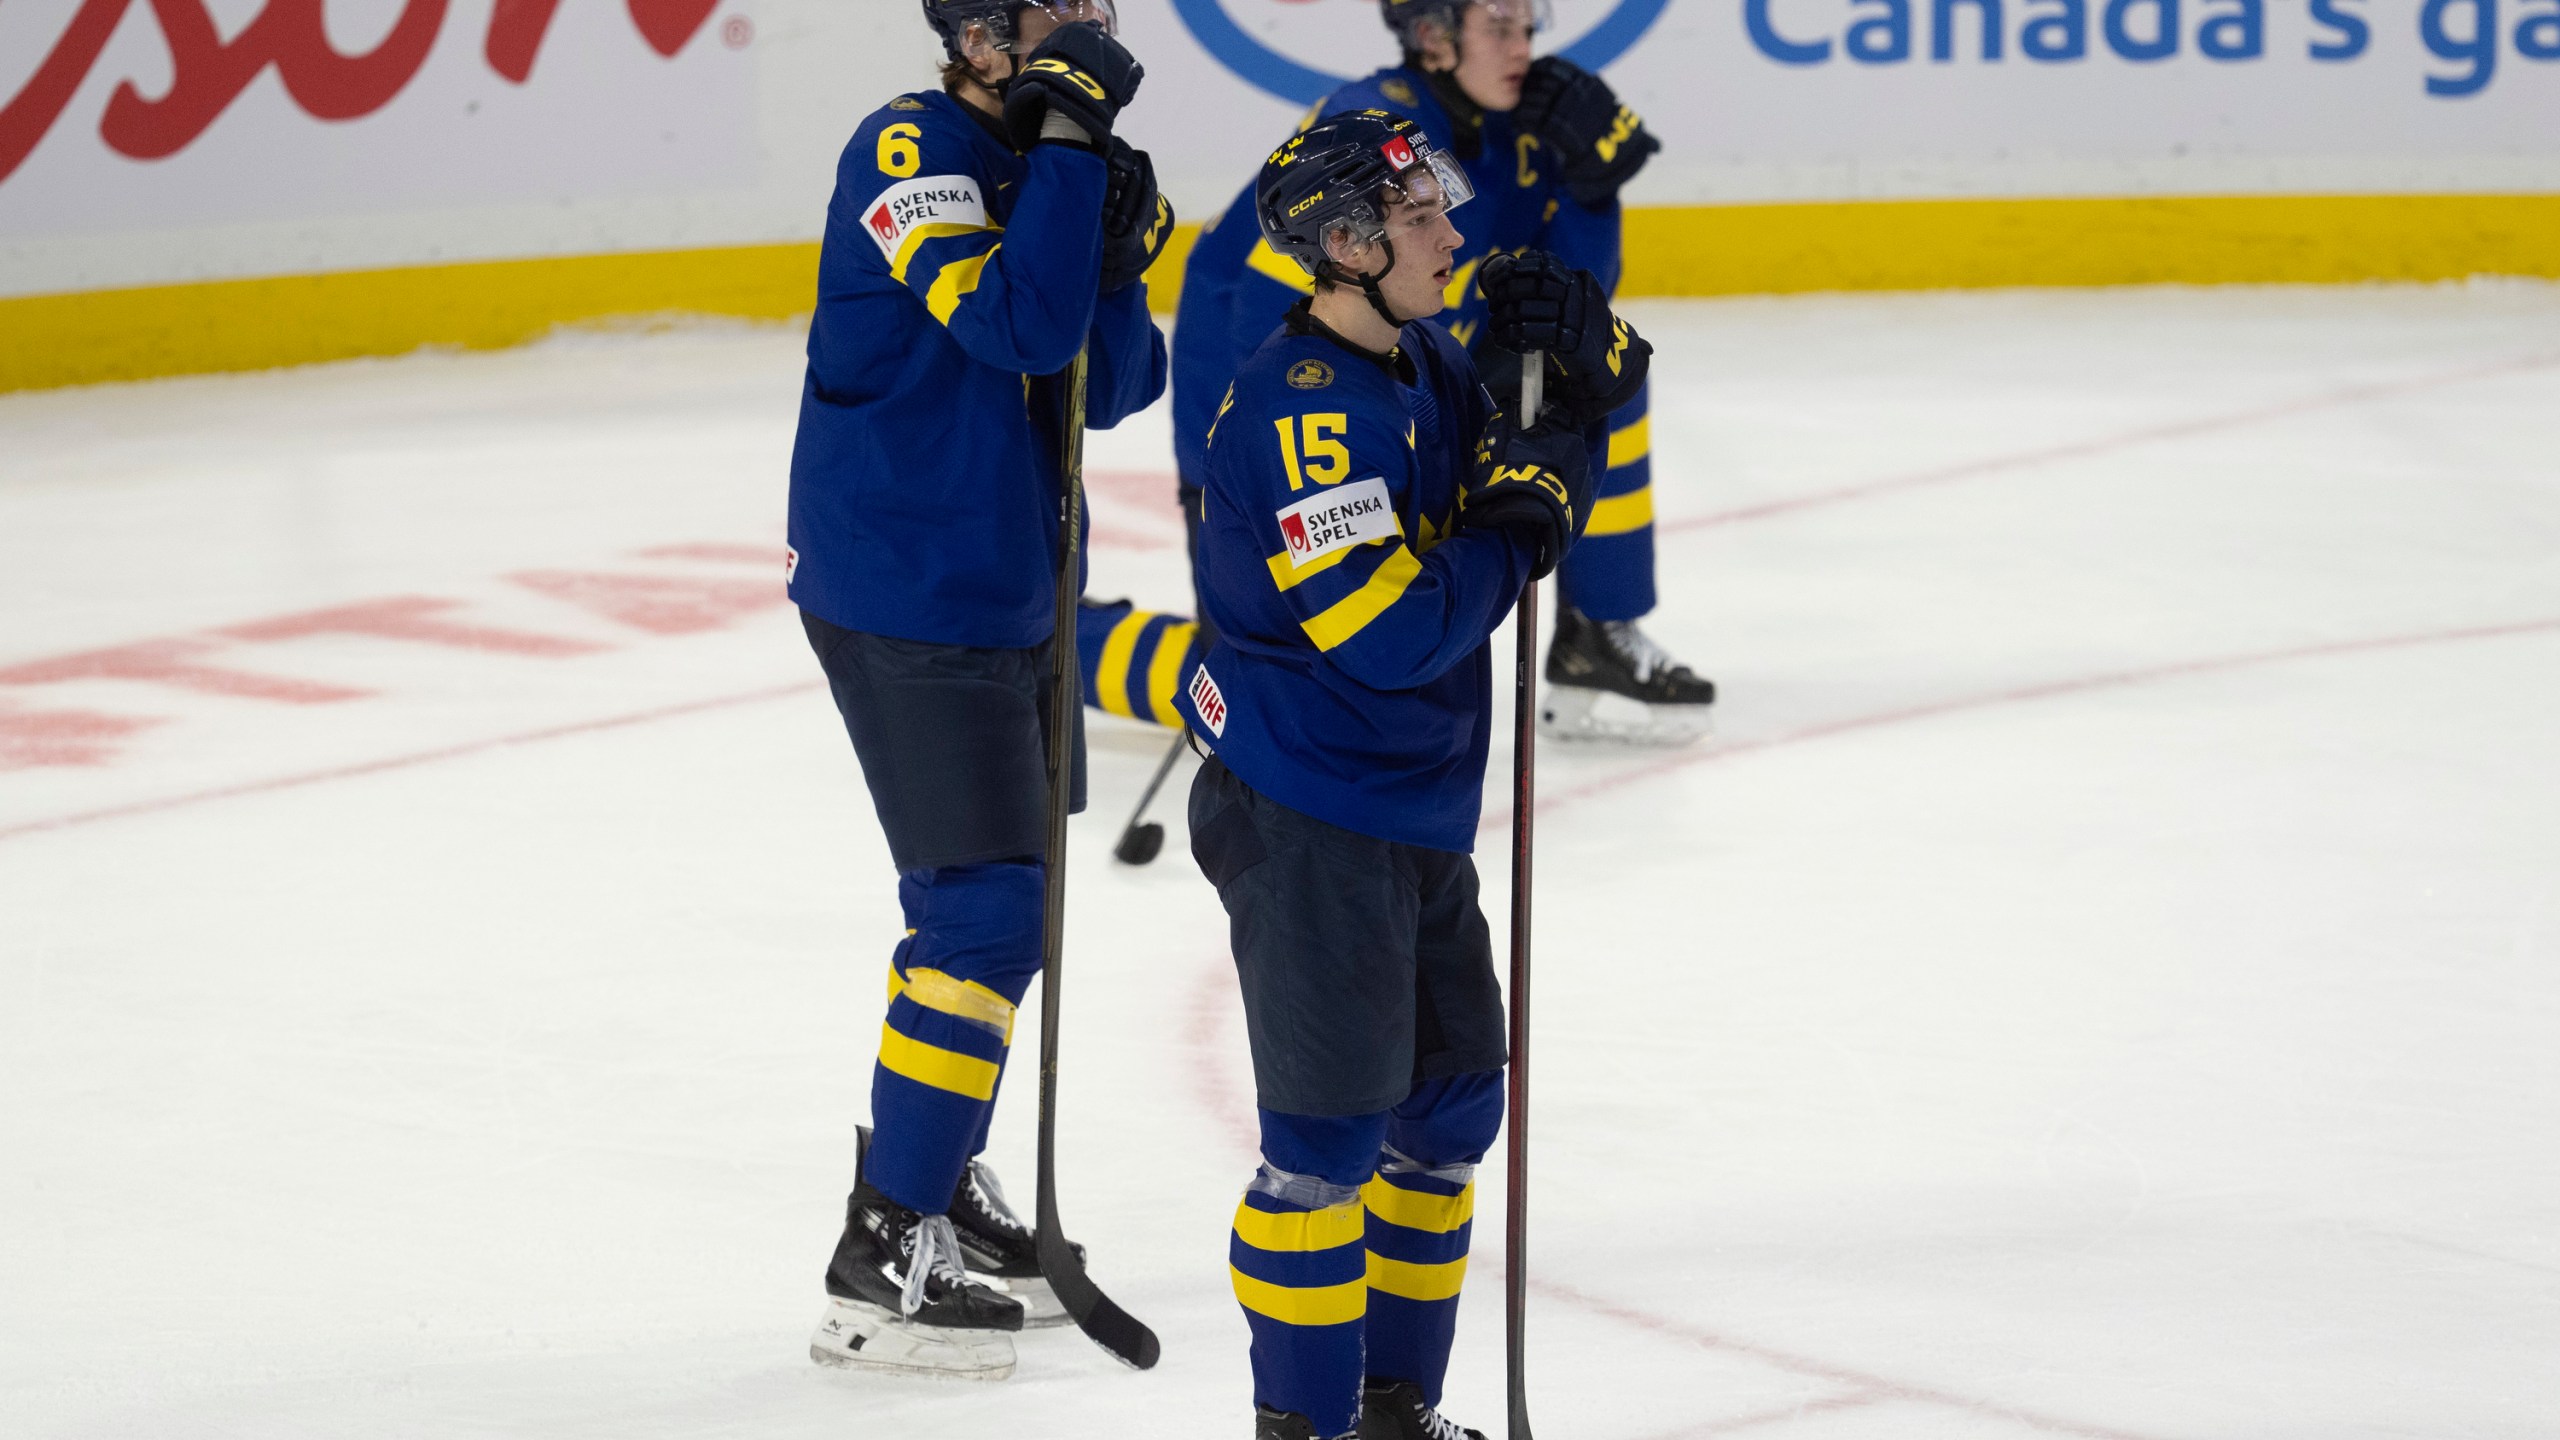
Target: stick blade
1140	844
1104	1323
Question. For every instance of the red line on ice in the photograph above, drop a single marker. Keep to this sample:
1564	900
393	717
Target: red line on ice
2108	444
1501	819
404	762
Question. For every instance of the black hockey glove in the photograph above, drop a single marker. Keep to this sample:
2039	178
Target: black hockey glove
1595	361
1137	221
1601	143
1533	484
1078	74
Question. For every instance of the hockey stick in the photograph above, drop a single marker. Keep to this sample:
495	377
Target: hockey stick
1524	815
1109	1326
1139	843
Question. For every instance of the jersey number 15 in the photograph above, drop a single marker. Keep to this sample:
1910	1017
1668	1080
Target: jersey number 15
1318	439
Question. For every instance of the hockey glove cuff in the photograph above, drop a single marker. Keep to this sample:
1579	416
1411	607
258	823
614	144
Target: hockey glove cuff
1534	485
1078	74
1601	143
1137	221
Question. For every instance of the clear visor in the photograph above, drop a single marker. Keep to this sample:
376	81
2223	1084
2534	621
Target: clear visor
1103	13
1432	188
1533	15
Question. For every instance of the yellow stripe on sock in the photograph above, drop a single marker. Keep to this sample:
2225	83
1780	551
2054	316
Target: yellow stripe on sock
1418	1210
932	1065
1314	1305
1417	1282
1632	444
1111	673
1621	514
1329	1229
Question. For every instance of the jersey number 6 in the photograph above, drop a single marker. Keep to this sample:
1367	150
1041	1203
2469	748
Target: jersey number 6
899	156
1318	438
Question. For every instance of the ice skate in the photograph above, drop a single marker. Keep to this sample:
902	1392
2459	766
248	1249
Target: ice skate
997	1246
900	1299
1270	1424
1393	1410
1607	682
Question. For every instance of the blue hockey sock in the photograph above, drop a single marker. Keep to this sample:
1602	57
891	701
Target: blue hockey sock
971	950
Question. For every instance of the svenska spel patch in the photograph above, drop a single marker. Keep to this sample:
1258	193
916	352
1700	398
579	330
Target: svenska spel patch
1337	519
925	200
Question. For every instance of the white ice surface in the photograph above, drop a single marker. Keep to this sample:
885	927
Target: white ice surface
2104	982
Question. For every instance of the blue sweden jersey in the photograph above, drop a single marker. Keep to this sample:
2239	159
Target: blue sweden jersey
1235	287
956	278
1350	680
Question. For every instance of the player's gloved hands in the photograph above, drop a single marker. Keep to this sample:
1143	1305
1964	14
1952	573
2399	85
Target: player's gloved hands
1595	361
1533	484
1137	221
1601	143
1078	75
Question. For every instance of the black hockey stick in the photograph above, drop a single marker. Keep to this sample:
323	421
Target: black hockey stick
1524	819
1139	843
1109	1326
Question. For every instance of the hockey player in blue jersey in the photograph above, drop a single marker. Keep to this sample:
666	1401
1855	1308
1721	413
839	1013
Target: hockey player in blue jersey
1368	520
1547	146
979	234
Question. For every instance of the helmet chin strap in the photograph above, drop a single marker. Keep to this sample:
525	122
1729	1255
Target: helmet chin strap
1368	284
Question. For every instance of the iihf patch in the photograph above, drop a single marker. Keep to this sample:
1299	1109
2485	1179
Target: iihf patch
1338	519
1310	375
926	200
1211	705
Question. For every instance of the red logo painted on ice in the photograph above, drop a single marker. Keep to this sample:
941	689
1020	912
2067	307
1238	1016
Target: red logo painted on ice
1398	152
209	72
1206	699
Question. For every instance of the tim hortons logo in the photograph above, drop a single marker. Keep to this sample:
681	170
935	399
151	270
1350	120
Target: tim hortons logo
208	72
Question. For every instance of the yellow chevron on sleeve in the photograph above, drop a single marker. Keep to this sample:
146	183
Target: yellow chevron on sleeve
958	278
1280	267
1313	1305
1417	1282
1352	613
1417	1210
1164	673
1328	1229
1287	574
1111	675
914	241
932	1065
1632	444
962	999
1620	514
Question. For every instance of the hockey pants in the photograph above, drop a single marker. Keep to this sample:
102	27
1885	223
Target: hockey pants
1351	1243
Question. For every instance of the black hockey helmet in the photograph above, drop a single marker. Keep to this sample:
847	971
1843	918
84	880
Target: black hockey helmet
951	19
1402	16
1337	180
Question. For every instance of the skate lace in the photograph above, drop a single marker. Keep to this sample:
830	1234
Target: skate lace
1646	658
989	1193
1441	1427
933	1253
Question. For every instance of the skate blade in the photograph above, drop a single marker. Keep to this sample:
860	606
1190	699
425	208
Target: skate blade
1579	716
1041	1308
856	1336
